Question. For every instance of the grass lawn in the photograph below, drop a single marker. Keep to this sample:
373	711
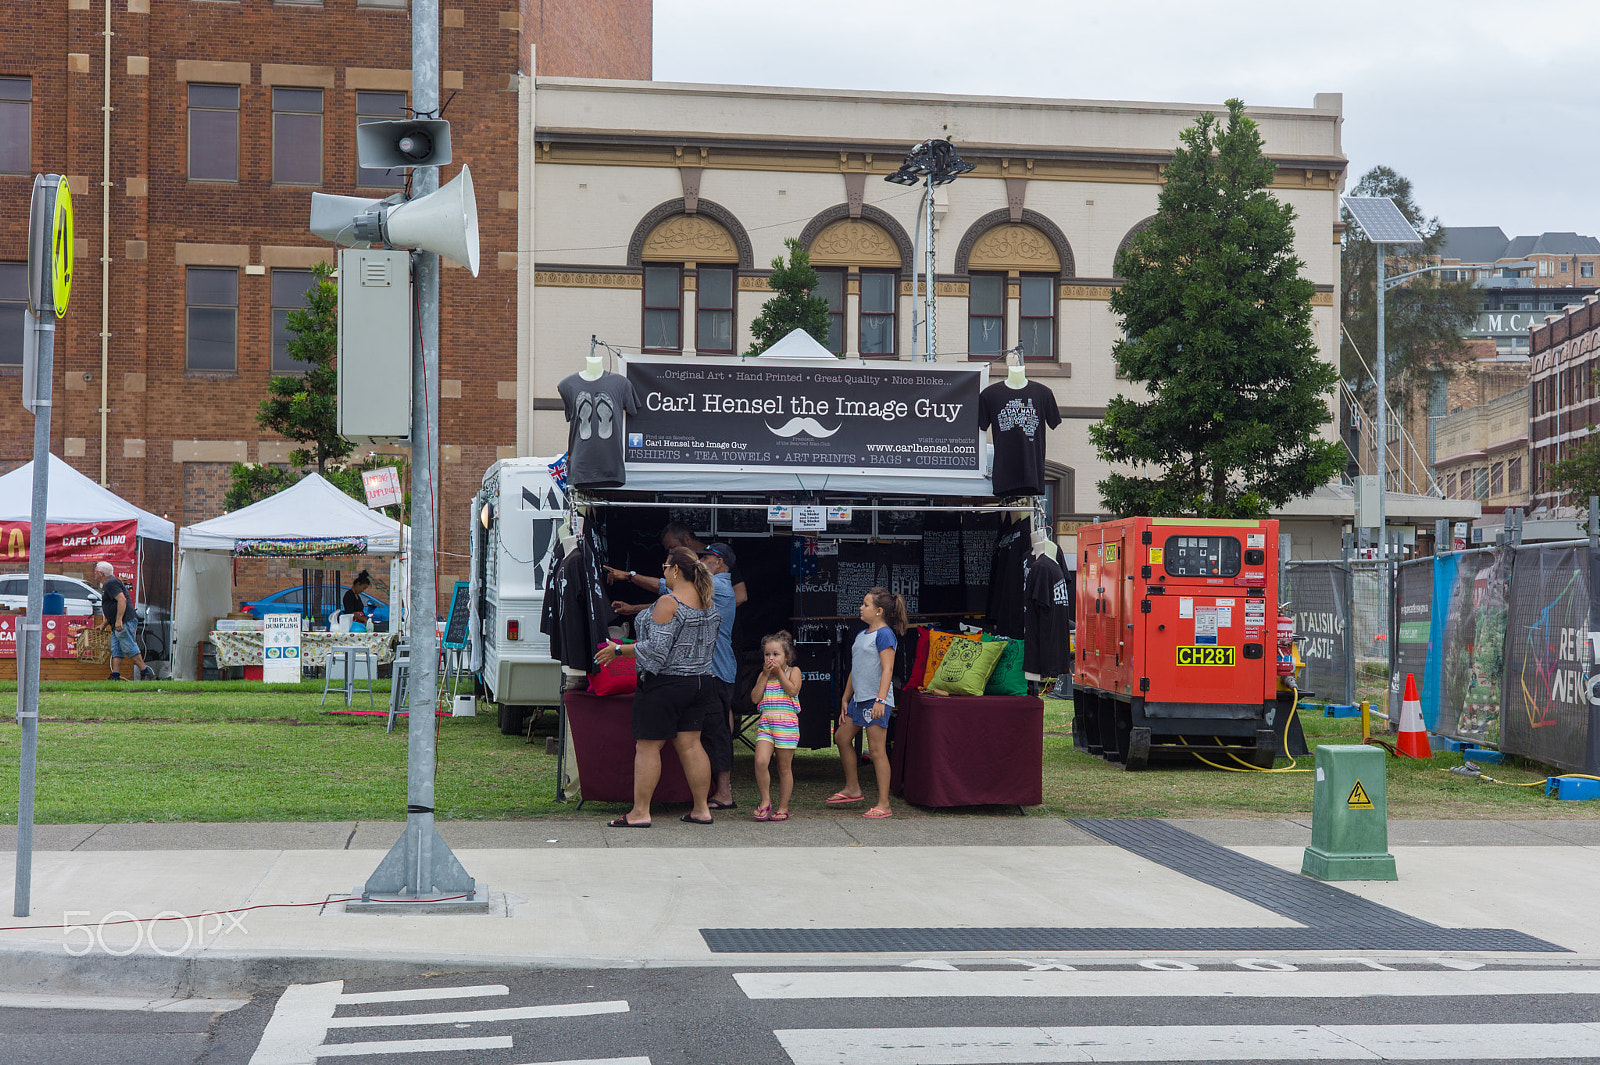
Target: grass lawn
246	751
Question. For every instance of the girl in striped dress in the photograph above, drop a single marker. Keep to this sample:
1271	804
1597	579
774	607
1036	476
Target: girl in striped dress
777	692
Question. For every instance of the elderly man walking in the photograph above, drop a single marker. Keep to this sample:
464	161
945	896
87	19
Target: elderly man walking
119	619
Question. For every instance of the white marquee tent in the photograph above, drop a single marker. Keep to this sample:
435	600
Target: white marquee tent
309	519
74	497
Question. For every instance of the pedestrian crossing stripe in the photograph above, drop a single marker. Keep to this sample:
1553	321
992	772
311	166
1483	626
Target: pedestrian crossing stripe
1358	798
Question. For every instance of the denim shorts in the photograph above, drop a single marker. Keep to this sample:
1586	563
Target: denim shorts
860	714
123	645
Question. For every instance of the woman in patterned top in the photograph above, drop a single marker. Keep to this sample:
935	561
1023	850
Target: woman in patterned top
777	692
674	641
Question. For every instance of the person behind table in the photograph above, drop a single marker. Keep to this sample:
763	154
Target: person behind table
777	692
114	605
677	534
353	605
673	644
717	734
868	699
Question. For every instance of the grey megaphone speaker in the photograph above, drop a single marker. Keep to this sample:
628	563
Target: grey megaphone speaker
332	217
444	222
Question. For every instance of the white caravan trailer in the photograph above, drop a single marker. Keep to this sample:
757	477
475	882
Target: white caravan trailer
515	520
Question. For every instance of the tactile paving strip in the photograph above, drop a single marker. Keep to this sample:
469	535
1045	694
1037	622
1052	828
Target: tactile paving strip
1334	919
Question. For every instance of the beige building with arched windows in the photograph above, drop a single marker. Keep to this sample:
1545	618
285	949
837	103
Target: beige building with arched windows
650	214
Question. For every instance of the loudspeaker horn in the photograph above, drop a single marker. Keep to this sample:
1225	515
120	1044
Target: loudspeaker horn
403	142
445	222
333	217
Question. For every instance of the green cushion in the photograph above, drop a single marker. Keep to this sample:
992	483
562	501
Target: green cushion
966	667
1007	678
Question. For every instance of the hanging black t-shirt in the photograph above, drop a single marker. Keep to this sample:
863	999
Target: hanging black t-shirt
595	425
1019	417
550	616
1007	574
1049	615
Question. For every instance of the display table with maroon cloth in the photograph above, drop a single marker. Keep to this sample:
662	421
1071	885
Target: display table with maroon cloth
601	732
957	750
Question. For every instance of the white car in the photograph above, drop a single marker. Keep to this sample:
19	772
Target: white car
81	596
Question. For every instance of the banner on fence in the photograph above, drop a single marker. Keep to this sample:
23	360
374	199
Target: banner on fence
1413	594
1473	668
1316	595
1546	701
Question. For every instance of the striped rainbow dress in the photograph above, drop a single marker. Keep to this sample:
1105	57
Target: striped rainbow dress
780	718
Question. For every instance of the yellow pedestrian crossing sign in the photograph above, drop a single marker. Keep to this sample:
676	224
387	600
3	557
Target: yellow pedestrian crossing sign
1358	798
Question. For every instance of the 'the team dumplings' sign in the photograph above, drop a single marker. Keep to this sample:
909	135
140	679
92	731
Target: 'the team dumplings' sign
751	416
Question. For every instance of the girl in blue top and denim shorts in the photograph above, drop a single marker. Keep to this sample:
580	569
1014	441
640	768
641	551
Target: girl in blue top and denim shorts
868	699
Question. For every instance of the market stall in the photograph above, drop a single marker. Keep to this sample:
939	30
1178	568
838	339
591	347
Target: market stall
310	519
828	478
86	524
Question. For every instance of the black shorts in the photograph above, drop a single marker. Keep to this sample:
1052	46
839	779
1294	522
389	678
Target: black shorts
716	736
665	705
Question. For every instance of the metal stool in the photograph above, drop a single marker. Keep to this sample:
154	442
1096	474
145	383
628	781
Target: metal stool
399	687
351	655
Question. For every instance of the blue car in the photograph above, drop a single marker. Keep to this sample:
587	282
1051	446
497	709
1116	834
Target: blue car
289	601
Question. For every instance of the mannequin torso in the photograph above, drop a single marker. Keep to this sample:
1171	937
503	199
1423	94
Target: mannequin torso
592	369
1016	377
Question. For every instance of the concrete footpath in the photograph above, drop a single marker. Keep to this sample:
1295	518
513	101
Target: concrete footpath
578	894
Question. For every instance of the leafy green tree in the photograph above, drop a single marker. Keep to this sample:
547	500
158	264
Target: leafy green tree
1578	477
794	306
1424	318
1217	326
305	408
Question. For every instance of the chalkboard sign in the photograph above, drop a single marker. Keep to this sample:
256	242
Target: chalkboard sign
455	629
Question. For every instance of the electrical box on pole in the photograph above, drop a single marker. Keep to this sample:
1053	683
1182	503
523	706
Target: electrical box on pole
375	325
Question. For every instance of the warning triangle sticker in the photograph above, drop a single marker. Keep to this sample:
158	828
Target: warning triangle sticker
1358	798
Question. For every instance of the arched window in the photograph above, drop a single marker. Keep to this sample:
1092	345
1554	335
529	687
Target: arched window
690	265
1013	289
858	269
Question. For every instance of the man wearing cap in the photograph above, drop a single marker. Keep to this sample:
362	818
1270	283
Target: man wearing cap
716	734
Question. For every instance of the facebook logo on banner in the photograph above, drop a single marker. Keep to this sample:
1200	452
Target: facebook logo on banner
636	440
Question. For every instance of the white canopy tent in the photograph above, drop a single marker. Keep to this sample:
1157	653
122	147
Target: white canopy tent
74	497
309	519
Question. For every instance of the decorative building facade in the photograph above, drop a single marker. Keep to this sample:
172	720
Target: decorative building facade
1564	401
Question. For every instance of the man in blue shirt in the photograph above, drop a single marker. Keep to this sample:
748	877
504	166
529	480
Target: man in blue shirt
716	735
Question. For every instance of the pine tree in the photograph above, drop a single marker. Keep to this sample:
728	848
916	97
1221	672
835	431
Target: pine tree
794	306
304	408
1217	326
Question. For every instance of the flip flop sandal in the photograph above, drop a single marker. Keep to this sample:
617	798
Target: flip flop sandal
732	804
690	819
779	817
585	416
762	813
877	815
839	798
623	822
604	415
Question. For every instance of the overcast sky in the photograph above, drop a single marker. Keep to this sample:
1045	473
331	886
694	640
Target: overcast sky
1486	106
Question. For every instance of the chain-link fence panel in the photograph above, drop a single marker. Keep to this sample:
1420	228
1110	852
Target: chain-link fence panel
1369	612
1316	594
1546	704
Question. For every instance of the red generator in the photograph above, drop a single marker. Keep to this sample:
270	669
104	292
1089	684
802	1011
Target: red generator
1177	641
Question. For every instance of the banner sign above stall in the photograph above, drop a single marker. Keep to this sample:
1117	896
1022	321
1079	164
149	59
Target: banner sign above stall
751	416
75	546
810	519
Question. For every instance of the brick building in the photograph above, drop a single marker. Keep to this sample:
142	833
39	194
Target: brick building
192	166
1564	399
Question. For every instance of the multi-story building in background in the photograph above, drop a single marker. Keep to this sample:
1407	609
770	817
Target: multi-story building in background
1483	452
1522	279
192	134
1564	401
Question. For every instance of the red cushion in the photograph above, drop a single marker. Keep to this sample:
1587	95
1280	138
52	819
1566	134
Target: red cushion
620	676
919	662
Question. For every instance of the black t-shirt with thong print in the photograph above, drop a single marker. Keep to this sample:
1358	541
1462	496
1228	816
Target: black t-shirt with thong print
595	411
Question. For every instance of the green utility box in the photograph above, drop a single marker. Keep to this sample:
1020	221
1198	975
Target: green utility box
1349	816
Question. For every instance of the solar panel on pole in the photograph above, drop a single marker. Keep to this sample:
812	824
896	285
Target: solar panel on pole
1381	220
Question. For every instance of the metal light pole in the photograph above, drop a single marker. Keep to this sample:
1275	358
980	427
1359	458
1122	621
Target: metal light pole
1381	372
930	309
929	164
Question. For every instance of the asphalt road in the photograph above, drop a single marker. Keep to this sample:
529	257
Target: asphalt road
930	1012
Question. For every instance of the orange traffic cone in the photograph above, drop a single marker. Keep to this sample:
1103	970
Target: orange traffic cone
1413	739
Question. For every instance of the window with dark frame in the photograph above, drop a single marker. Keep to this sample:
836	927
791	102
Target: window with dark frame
296	136
380	107
13	311
877	312
212	339
16	125
1037	317
1497	479
214	133
1514	475
1586	269
289	288
986	315
714	291
830	286
663	307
